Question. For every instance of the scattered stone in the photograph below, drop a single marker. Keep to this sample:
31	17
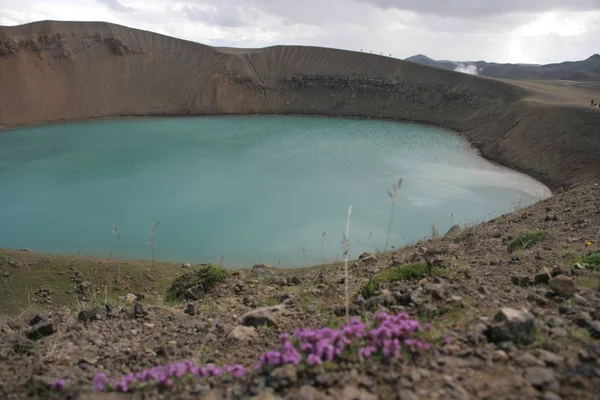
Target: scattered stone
436	291
263	316
539	300
194	293
307	392
406	394
278	280
249	300
38	331
368	259
522	280
6	274
542	278
294	280
138	311
93	314
190	310
36	319
579	299
186	265
358	300
558	270
340	310
286	374
353	393
517	326
539	377
550	396
455	229
551	359
243	333
25	249
593	327
404	299
261	270
563	285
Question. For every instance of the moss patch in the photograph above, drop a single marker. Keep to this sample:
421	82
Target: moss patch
395	274
526	240
207	277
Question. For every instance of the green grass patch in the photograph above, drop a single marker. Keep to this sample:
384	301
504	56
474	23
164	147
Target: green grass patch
109	279
592	261
526	240
589	282
207	276
395	274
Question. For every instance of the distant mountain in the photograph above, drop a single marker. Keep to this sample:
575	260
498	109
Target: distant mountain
585	70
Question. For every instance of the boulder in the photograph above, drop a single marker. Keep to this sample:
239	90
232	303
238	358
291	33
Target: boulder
512	325
92	314
455	229
435	291
539	377
563	285
38	331
194	293
308	392
261	270
242	333
138	311
190	310
368	259
542	277
268	316
36	319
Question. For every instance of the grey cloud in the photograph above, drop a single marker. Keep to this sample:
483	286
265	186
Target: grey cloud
227	16
116	5
483	8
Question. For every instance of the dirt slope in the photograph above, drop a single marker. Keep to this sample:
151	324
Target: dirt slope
57	71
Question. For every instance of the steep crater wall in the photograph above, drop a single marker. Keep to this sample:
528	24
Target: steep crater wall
57	71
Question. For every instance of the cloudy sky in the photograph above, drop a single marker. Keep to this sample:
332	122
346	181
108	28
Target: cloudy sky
528	31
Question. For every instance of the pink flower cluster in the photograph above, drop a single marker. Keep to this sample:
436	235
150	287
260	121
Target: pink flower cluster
389	334
164	375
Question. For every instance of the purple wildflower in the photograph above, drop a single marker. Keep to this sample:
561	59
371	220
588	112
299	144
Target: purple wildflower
58	384
314	359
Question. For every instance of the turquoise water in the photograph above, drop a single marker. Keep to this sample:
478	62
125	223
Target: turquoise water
244	189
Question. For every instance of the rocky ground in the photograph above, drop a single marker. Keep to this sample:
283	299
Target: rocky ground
514	307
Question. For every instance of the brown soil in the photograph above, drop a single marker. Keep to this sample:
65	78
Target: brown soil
61	71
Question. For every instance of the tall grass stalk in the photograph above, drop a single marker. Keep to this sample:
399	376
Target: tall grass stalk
393	193
345	244
117	235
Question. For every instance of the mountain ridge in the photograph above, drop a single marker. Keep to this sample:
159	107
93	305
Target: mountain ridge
583	70
62	71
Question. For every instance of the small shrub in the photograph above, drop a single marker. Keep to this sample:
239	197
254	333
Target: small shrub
394	274
208	276
526	240
592	261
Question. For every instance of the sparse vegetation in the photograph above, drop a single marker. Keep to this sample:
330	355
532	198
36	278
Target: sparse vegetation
592	261
526	240
589	282
394	274
207	276
393	193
